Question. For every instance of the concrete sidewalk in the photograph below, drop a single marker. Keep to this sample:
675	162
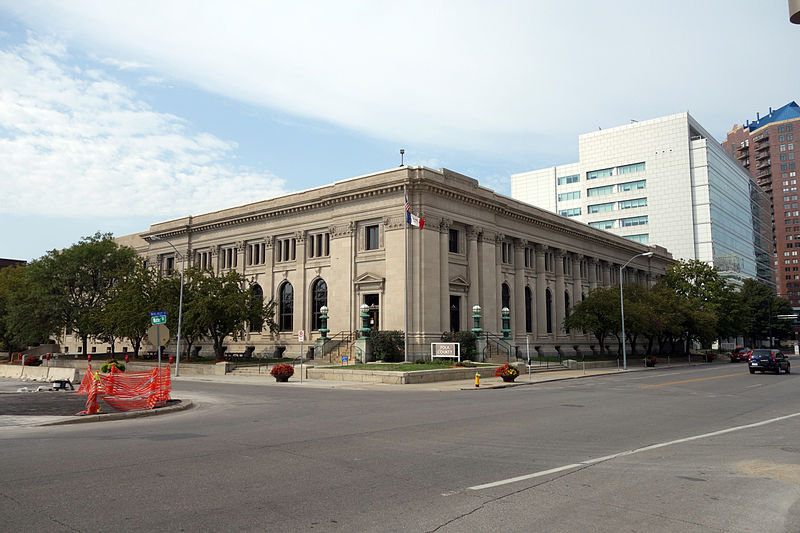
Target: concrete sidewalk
48	408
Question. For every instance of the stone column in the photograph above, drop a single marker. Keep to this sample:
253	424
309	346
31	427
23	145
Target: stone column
518	320
444	273
560	256
216	258
488	278
577	284
605	270
474	296
269	259
300	301
498	279
541	286
592	265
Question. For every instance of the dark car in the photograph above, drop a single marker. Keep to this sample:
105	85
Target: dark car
740	354
763	359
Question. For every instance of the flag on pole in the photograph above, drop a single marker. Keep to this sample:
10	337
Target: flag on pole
411	218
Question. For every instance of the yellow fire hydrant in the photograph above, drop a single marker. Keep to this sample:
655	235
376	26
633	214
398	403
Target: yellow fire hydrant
477	379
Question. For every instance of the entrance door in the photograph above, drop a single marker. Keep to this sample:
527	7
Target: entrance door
373	301
455	313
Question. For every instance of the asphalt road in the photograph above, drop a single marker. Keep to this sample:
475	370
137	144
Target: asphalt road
694	449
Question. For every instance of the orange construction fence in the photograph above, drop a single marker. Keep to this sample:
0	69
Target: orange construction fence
126	391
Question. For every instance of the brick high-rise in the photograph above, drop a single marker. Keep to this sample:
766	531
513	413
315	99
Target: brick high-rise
768	149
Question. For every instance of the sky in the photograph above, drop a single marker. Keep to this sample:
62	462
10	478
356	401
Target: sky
118	115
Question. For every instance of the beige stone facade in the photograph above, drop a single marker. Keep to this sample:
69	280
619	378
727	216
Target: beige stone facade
476	247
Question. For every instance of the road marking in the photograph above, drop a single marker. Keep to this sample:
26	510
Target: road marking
690	380
596	460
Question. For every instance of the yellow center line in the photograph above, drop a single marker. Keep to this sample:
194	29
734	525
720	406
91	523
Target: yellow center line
691	380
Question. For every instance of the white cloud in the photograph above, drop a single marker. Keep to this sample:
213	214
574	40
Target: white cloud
75	142
497	77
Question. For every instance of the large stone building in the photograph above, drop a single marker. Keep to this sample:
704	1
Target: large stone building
766	148
343	245
663	181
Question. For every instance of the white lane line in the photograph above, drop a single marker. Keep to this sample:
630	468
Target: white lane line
629	452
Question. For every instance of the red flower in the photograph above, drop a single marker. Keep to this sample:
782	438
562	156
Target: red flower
282	370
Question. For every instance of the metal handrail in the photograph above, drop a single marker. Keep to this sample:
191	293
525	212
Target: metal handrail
500	342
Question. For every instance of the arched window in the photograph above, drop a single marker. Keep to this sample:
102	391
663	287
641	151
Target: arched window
319	298
566	307
528	310
548	305
257	303
286	307
505	296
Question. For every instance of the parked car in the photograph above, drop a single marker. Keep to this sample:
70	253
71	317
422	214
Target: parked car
741	354
763	359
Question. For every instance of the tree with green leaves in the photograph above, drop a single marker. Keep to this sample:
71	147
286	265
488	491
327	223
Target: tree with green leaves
701	290
74	285
598	313
12	280
761	308
221	306
127	312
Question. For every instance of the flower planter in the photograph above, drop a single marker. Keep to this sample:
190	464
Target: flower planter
508	379
282	378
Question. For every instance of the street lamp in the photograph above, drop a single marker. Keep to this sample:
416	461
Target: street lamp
180	304
622	307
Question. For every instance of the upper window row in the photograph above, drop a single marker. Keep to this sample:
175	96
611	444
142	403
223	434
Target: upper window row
563	180
624	169
622	204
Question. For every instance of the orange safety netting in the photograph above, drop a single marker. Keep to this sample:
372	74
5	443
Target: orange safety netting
127	391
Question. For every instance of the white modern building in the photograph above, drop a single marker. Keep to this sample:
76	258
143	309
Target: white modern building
664	181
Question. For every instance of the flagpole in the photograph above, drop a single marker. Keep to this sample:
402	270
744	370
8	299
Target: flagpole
405	269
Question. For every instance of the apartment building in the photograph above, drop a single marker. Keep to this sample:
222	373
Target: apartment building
767	148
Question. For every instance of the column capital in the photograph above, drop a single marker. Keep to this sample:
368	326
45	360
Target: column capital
445	224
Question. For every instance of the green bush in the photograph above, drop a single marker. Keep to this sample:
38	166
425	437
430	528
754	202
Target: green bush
388	345
106	368
467	340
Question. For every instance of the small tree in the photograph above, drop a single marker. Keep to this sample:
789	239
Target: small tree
127	313
598	313
221	306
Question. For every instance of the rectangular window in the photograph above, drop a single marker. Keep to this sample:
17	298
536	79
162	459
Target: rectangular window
452	241
628	169
319	245
604	173
632	186
574	212
506	252
285	249
600	208
371	238
600	191
169	265
602	224
228	257
564	196
643	238
575	178
529	257
633	221
637	202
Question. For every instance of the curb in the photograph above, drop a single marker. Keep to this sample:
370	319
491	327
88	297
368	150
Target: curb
182	406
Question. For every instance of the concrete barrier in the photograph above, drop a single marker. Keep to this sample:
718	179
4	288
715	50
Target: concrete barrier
39	373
